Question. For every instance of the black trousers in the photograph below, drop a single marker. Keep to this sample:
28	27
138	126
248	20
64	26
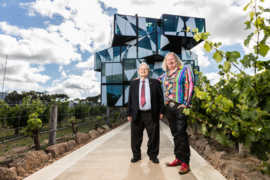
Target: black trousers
178	125
144	121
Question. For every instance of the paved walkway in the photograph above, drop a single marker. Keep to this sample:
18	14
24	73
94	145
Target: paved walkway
108	157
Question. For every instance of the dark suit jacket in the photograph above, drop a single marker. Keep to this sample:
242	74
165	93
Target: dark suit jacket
157	102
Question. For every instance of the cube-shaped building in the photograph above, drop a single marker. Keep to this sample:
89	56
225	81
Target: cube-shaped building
139	39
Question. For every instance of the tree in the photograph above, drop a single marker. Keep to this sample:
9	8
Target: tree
32	129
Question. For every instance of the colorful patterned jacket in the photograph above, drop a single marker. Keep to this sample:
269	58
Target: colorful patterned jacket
178	87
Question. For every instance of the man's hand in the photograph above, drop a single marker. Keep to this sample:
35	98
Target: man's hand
181	106
129	118
160	116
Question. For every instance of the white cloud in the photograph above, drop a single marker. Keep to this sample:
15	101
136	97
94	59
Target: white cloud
3	5
75	85
203	60
64	75
213	77
46	22
36	45
60	68
22	75
89	63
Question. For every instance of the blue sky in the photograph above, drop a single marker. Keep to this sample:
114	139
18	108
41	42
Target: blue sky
50	43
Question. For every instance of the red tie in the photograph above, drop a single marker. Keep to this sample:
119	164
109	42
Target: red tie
143	94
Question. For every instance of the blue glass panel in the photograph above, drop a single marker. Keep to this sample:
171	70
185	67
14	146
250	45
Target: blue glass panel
116	54
200	24
114	93
103	55
97	61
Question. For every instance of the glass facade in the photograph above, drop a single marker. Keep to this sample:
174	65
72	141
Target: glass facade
137	40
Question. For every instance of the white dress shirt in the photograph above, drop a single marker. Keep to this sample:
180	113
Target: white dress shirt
147	105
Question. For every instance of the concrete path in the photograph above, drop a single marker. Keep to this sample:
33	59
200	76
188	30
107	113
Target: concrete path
108	157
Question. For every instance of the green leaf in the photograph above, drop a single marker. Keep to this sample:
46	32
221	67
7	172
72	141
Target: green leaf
248	25
262	0
226	120
188	28
254	114
245	8
263	49
227	66
222	139
245	114
197	36
247	60
217	56
267	10
207	46
251	14
246	42
204	130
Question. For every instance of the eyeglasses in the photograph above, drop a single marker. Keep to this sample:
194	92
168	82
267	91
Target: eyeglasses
144	69
171	59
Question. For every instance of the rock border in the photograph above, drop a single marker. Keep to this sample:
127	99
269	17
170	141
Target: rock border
33	161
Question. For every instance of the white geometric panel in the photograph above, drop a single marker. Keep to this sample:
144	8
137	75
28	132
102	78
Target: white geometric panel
109	69
117	68
180	26
144	52
129	30
131	42
154	75
142	23
131	52
110	51
170	33
126	94
153	45
121	24
191	23
163	41
120	101
158	65
104	95
137	63
131	19
129	73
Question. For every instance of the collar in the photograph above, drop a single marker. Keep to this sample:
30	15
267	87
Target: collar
146	79
177	69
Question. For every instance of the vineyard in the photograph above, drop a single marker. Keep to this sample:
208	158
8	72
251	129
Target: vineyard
237	108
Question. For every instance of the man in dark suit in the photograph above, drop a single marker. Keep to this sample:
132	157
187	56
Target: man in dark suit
145	108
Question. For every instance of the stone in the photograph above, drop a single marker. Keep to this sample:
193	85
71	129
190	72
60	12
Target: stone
208	151
232	168
93	134
31	161
193	139
254	176
14	170
71	145
81	138
57	149
100	131
118	123
201	144
217	156
107	128
7	174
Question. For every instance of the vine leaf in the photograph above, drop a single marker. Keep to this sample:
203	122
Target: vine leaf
222	139
217	56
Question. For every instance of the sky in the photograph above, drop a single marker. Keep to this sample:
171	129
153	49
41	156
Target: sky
51	43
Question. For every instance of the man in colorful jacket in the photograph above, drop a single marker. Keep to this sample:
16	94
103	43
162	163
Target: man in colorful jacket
177	87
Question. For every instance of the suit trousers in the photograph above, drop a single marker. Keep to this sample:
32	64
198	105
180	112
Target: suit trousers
144	121
178	126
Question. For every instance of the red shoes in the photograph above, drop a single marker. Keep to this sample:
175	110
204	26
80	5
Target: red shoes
184	169
176	162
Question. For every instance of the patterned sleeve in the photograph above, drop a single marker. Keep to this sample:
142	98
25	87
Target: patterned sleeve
188	88
160	78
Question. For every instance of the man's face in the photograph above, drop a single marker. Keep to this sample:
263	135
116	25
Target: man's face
171	62
143	71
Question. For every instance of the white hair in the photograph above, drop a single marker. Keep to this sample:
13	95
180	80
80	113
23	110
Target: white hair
143	63
177	59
